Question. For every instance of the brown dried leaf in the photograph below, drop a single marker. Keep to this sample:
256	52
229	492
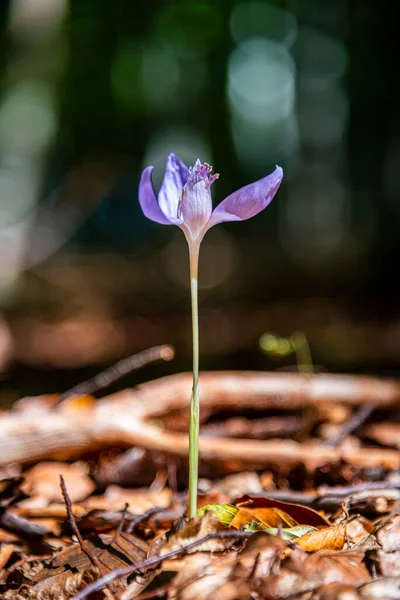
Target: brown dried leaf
366	543
266	517
191	531
385	588
266	549
55	573
52	511
238	484
330	538
389	535
385	433
6	537
302	573
112	553
230	577
373	501
77	404
202	575
336	591
139	500
5	554
301	514
43	481
343	567
357	529
389	563
64	585
287	584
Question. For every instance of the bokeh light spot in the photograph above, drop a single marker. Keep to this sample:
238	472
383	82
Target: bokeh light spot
159	74
320	58
261	80
192	28
250	19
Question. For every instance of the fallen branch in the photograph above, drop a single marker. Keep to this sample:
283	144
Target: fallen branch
123	419
355	421
329	497
120	369
21	526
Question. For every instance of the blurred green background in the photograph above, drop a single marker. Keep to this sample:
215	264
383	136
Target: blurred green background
93	91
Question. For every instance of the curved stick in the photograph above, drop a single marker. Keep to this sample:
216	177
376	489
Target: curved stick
122	419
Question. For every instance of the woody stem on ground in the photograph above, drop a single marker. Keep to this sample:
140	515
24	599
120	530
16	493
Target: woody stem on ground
194	422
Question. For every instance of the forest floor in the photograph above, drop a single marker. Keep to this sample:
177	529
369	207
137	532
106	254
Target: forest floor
299	488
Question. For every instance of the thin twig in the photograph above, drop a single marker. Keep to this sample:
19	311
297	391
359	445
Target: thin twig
120	524
72	522
140	518
252	573
120	369
169	587
98	585
355	421
326	494
346	490
172	480
21	526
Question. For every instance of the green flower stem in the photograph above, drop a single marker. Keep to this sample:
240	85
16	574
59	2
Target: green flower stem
194	423
303	353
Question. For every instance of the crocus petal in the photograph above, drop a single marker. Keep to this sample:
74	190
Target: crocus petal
148	200
248	201
175	177
195	207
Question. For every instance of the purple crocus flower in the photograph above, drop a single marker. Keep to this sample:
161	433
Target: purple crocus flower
185	198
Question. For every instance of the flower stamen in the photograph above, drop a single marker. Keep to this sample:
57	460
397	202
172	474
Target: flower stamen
202	172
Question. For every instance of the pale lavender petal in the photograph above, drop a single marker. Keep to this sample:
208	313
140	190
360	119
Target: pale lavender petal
196	206
248	201
176	175
148	200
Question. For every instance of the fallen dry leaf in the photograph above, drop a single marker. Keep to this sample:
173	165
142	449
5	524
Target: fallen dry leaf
368	542
193	530
343	567
335	591
330	538
385	588
301	573
139	500
357	529
266	517
238	484
201	576
228	577
77	404
43	481
300	514
287	584
52	511
5	554
264	550
389	563
386	433
389	535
